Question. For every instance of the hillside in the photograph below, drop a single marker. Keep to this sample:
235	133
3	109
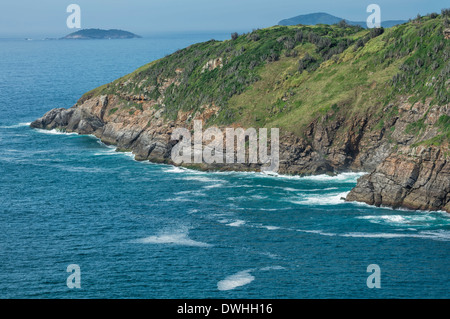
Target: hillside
325	18
90	34
344	98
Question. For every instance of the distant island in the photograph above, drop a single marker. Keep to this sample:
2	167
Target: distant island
325	18
90	34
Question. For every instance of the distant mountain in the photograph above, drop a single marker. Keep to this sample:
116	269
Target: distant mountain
87	34
325	18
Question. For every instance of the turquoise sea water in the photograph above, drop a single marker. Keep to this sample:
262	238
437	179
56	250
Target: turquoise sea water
142	230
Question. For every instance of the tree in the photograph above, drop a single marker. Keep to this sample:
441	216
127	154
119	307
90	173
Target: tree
376	32
307	63
273	57
234	36
299	36
254	36
343	24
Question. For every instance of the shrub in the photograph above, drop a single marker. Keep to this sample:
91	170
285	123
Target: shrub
299	36
289	44
254	36
273	57
446	23
234	36
376	32
324	43
343	24
419	62
359	44
291	53
313	38
307	63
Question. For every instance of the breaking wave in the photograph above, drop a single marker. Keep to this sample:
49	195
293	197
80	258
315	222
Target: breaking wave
180	238
417	220
16	125
435	235
321	199
55	132
237	280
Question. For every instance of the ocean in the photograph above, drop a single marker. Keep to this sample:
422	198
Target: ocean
144	230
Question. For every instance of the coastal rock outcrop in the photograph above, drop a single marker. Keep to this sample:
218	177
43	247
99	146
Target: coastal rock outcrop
417	179
344	107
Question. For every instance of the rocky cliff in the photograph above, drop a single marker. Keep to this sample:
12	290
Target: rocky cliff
345	99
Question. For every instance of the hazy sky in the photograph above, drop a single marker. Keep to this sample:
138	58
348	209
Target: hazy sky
48	17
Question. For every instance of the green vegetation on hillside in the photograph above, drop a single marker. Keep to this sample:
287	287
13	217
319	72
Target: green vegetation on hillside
288	76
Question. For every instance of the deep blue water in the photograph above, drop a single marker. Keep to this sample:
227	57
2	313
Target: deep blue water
142	230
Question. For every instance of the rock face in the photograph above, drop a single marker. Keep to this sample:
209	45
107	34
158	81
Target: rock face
416	178
385	111
419	179
447	34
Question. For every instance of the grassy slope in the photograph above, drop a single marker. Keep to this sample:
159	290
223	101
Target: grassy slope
260	84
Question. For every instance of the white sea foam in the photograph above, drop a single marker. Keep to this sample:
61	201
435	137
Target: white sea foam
201	179
176	238
416	220
318	189
237	280
55	132
129	154
175	169
177	199
112	151
16	125
376	235
343	177
213	186
237	198
320	199
270	255
272	268
107	152
192	192
435	235
237	223
318	232
399	209
81	169
271	227
181	170
258	197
